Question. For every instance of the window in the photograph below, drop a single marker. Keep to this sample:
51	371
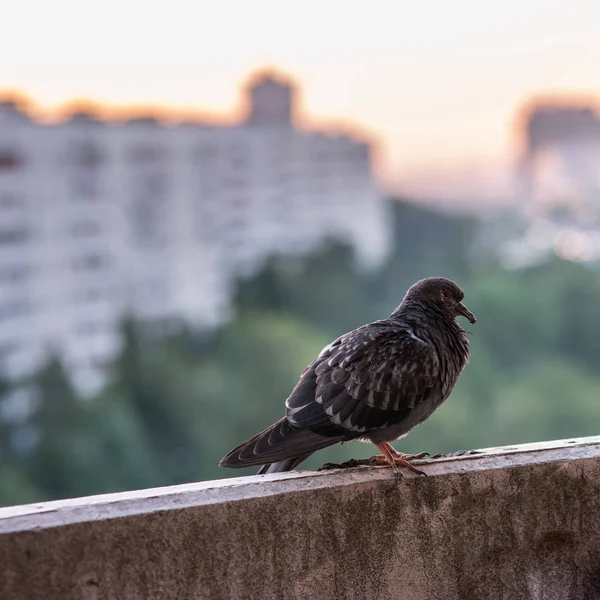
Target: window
85	160
154	186
239	155
90	262
85	228
10	201
148	217
148	211
146	154
85	185
13	236
205	153
10	161
148	223
14	274
85	155
90	295
8	348
88	328
14	308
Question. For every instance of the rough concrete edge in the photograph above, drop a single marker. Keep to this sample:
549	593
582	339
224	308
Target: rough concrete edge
111	506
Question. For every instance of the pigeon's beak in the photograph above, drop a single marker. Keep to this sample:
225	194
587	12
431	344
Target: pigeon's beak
465	312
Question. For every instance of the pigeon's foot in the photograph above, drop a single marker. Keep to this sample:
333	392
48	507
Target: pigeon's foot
391	456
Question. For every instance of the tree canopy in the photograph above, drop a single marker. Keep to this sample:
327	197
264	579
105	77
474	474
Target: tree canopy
175	405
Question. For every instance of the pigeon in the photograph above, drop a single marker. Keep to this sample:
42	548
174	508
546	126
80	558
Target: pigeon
373	384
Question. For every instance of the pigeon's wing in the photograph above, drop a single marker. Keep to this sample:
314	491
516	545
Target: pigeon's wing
371	378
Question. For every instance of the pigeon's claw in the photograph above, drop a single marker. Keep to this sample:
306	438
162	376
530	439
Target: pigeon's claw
397	462
390	456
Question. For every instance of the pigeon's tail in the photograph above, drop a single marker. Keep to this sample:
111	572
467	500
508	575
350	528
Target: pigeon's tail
289	464
280	447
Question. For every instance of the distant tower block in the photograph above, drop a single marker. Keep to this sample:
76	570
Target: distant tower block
559	164
552	124
272	101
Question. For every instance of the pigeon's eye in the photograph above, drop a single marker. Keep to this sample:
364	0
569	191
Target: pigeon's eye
443	295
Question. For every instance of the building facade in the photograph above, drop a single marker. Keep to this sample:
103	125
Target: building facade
559	179
100	219
561	163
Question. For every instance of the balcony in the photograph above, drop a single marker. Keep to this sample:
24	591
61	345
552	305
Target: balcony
504	523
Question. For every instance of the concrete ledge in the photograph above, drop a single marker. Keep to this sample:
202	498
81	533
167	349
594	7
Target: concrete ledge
519	522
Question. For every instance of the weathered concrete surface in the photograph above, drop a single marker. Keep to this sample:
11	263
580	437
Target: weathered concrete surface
520	523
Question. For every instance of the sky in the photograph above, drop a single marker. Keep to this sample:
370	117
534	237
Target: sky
439	83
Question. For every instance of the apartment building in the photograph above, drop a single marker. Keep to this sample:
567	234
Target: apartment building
101	218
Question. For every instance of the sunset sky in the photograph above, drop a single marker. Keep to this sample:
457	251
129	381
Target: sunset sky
438	82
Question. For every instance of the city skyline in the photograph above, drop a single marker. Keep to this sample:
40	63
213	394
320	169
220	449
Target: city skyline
439	87
465	183
103	219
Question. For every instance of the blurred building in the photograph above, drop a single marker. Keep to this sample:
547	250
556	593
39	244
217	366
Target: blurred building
560	179
561	165
99	219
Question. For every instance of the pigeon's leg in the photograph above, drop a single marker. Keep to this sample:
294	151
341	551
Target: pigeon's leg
390	456
388	459
400	455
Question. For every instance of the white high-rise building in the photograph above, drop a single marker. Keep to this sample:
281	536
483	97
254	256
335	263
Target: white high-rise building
99	219
560	170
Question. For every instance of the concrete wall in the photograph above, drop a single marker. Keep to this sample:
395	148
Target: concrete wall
519	523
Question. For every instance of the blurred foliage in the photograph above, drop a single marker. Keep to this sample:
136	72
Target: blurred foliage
175	405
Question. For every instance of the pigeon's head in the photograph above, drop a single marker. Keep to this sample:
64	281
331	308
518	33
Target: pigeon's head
441	292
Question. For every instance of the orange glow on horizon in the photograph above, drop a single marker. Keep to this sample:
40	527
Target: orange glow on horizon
170	114
108	112
443	159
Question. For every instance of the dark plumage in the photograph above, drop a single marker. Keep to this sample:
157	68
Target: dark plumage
373	384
